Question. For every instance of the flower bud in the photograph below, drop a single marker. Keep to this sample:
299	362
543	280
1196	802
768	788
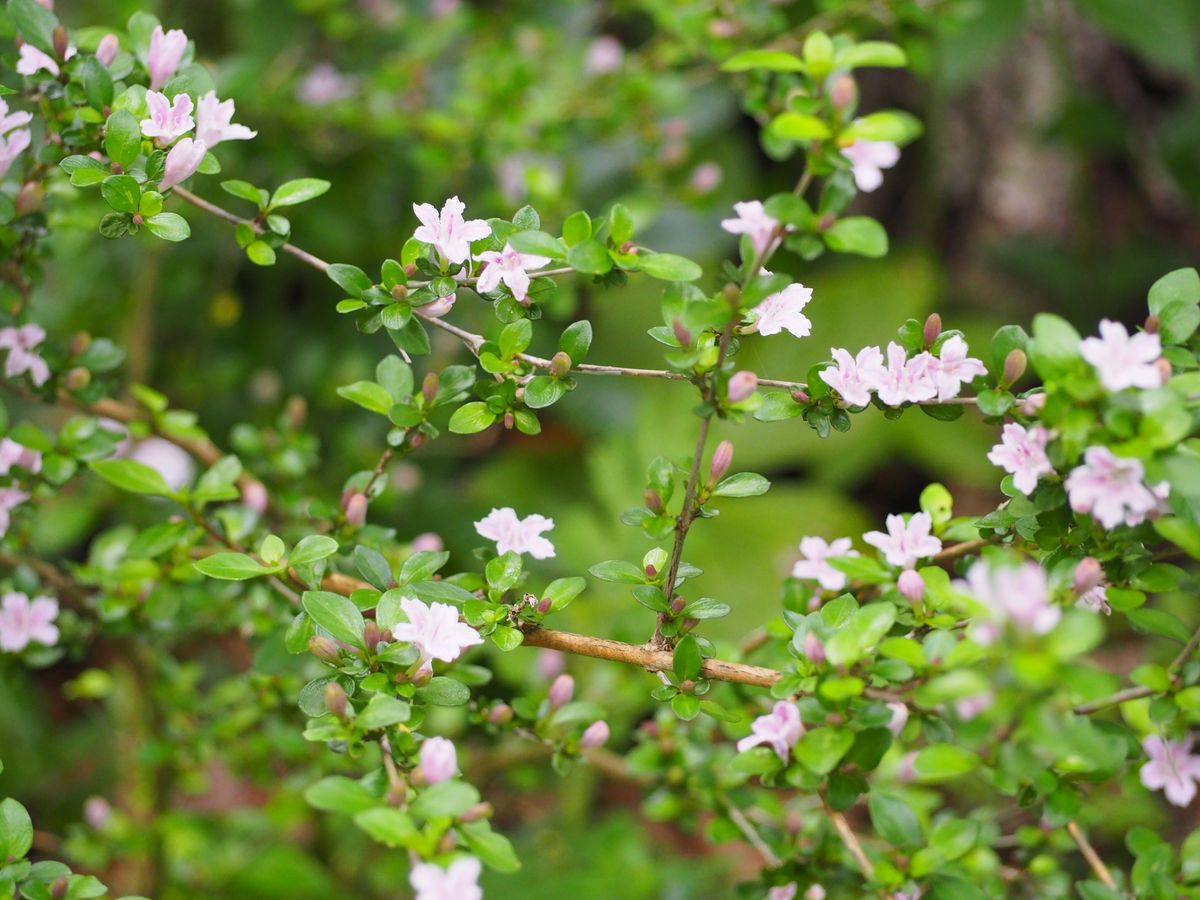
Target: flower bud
482	810
386	635
899	717
843	92
543	606
677	605
58	890
681	334
653	500
1164	369
355	508
429	387
814	649
97	812
722	459
1033	404
106	51
399	291
296	412
254	497
630	248
500	714
439	760
551	663
371	635
1014	366
562	690
422	676
651	570
1153	324
427	540
1088	574
732	293
560	364
324	649
596	735
29	198
933	327
61	45
801	397
416	440
335	699
911	585
508	421
78	378
742	386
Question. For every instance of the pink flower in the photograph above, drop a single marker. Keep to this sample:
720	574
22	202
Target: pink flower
1022	453
814	565
448	231
435	631
605	54
459	882
854	375
169	460
899	718
14	454
354	508
427	541
952	368
867	159
904	380
166	52
254	497
904	544
780	728
753	220
742	386
1095	599
167	121
182	162
595	735
1122	361
706	177
32	60
439	760
325	84
783	892
510	267
911	585
562	690
106	50
23	621
519	535
10	499
967	708
11	147
782	311
214	122
9	121
550	663
20	344
1112	490
1172	768
1019	594
814	650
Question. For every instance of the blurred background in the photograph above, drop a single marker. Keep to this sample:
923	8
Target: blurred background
1059	170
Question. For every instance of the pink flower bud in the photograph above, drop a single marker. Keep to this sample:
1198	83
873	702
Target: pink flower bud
500	714
427	541
596	735
742	386
439	760
1164	369
653	500
814	649
562	690
1088	574
551	663
355	508
97	812
1153	324
182	162
899	718
681	334
106	51
843	92
560	364
254	497
543	606
371	635
933	328
722	459
59	37
324	649
677	605
800	397
335	699
1014	366
429	386
1033	404
911	585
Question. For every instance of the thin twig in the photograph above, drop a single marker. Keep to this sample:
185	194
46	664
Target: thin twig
1089	853
750	833
850	839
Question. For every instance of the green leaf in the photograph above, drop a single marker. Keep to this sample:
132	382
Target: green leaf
504	571
97	83
387	825
1180	532
687	659
422	565
618	570
350	279
471	418
576	340
337	793
260	253
742	484
495	850
312	548
168	226
16	829
337	615
857	234
561	591
822	748
122	138
542	391
515	338
381	712
894	820
1175	299
448	799
368	395
686	706
890	125
872	53
230	567
577	228
84	170
537	243
590	257
669	267
772	60
793	126
122	193
244	190
939	762
1158	31
865	628
300	190
131	475
443	691
1054	350
36	25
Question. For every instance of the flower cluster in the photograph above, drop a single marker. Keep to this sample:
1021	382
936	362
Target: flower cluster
921	378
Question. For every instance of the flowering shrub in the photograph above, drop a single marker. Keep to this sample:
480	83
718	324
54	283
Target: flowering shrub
929	714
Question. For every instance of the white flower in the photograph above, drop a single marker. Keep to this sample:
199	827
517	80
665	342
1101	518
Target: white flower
1122	361
24	621
448	231
167	120
14	454
9	121
853	376
1172	769
783	311
867	158
1022	453
459	882
519	535
753	220
904	380
435	631
32	60
905	543
214	122
20	344
439	760
1019	594
952	368
510	267
814	565
781	728
1112	490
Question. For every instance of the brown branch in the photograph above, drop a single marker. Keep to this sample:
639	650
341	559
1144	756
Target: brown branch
1137	693
1093	858
850	839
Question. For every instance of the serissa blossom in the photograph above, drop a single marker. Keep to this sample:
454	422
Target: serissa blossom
853	376
510	267
165	54
10	499
32	60
1123	361
1019	594
24	621
182	162
1172	768
905	380
167	120
9	121
20	344
516	534
214	122
435	631
15	454
13	145
1022	453
448	232
905	542
953	367
783	311
815	566
1112	489
752	220
780	729
439	760
459	882
868	159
